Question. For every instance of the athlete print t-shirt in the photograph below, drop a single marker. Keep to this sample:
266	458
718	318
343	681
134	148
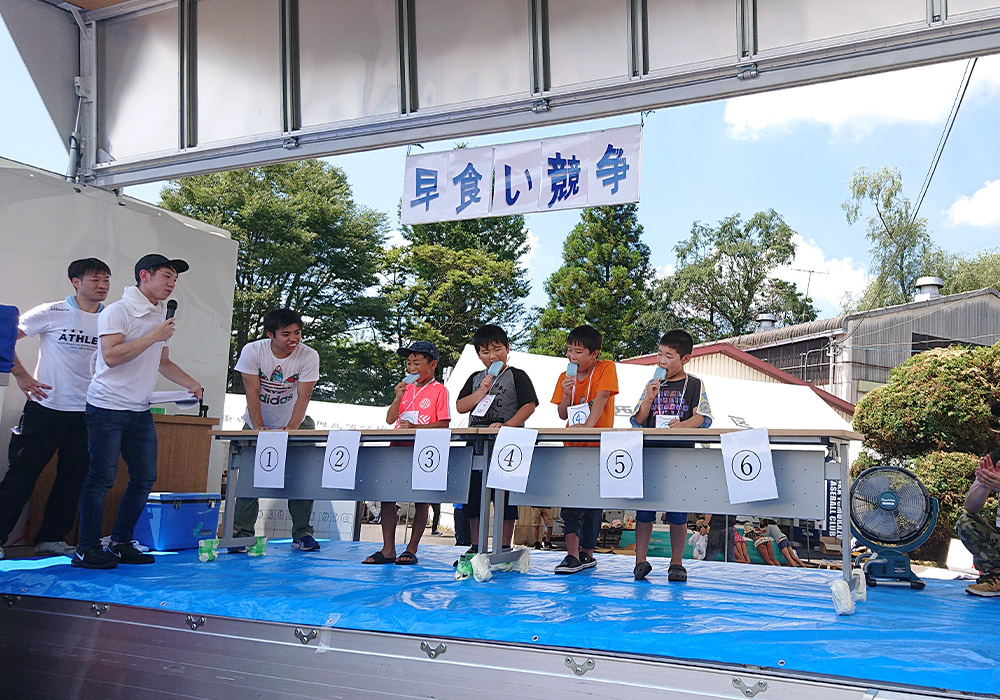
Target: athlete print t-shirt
279	379
682	398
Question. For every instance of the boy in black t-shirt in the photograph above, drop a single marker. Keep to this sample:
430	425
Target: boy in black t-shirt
676	401
503	396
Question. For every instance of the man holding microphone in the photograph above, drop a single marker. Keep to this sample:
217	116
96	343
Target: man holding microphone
133	347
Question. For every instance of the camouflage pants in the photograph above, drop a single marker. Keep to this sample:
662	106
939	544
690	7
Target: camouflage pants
982	538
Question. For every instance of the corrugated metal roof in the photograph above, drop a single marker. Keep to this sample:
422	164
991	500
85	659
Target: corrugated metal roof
839	323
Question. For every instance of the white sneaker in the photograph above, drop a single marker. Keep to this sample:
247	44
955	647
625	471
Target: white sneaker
60	549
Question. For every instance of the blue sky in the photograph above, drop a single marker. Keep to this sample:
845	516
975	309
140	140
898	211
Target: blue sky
792	150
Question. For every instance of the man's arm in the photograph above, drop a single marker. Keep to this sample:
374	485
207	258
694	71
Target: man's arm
29	386
251	385
116	351
303	393
597	409
175	374
987	480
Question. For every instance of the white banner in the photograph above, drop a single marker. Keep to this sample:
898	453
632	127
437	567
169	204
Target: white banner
621	464
598	168
430	459
269	460
746	457
510	462
340	462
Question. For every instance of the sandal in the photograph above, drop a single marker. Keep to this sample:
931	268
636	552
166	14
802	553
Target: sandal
677	572
378	558
407	558
641	570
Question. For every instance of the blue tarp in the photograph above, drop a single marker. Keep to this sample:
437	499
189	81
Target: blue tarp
780	618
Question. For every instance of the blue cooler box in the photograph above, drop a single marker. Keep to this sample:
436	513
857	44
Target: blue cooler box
178	520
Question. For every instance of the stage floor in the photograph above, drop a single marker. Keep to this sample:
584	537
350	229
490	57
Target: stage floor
777	618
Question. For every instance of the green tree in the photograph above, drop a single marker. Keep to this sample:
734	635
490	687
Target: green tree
303	243
900	242
453	277
603	282
723	276
963	272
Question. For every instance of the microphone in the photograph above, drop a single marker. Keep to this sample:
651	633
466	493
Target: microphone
171	309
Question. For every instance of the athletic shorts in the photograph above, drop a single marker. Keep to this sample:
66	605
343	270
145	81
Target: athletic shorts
541	516
649	516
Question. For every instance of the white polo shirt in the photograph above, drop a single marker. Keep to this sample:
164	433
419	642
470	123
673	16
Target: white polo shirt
128	386
67	343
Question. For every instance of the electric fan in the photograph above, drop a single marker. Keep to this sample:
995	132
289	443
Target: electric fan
892	513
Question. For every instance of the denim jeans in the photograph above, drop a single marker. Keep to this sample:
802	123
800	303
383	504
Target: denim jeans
133	435
585	522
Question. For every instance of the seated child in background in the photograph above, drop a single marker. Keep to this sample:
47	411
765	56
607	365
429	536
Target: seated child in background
422	404
699	539
757	533
781	542
740	552
584	401
678	401
494	400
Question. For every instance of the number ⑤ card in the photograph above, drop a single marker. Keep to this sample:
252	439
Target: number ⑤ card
511	459
340	462
430	459
621	464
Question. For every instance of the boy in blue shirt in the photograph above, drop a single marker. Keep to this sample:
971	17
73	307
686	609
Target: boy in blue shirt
677	401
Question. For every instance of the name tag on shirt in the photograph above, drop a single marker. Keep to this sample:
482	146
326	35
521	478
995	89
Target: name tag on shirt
411	416
483	406
664	421
578	414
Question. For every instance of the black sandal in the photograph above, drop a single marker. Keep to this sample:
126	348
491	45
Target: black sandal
676	573
378	558
407	558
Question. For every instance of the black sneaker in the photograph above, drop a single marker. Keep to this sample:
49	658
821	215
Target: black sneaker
587	561
126	553
569	565
94	557
538	545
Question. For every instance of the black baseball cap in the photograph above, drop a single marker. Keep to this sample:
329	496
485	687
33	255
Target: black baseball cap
424	346
155	260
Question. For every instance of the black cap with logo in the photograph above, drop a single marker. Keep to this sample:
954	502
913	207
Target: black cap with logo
156	260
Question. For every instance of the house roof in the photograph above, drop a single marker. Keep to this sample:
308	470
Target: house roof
729	350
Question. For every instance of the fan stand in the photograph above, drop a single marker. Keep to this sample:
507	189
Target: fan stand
889	566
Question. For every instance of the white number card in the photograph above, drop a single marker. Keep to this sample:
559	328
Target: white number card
664	421
340	463
621	464
430	459
746	457
269	462
511	459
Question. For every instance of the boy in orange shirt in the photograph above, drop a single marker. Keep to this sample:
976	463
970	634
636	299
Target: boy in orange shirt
584	401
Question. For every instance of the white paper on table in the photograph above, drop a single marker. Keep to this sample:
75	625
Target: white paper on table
621	464
269	462
181	397
340	462
430	459
511	459
746	457
664	421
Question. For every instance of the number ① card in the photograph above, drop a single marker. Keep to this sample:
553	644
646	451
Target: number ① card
340	462
430	459
621	464
511	459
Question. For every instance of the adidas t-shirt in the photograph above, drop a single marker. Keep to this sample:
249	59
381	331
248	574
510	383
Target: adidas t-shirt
279	379
67	343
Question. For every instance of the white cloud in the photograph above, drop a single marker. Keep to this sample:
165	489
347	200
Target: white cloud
663	271
395	238
532	248
856	106
842	275
981	209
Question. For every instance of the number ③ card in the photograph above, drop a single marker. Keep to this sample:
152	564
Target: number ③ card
621	464
340	463
746	457
511	460
430	459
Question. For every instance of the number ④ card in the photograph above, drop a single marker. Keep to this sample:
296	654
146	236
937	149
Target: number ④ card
430	459
621	464
340	462
511	459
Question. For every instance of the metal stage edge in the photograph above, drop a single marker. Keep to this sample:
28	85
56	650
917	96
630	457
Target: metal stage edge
101	650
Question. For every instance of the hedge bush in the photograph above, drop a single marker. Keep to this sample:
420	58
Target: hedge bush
937	401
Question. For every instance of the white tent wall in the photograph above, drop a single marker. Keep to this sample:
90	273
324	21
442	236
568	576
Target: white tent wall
46	222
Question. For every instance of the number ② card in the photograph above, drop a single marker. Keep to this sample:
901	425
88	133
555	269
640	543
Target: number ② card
340	462
511	459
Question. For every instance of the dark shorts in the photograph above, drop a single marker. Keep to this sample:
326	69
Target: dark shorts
649	516
471	509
